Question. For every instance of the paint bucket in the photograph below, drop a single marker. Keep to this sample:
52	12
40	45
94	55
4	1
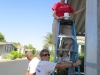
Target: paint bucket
66	16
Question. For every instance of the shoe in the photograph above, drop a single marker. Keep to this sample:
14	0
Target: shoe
59	60
65	59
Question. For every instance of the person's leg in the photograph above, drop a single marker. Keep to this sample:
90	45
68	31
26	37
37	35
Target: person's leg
68	32
65	57
67	41
59	57
67	46
54	30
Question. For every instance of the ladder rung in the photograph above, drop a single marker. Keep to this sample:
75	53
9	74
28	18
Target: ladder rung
72	51
77	73
66	50
72	61
66	36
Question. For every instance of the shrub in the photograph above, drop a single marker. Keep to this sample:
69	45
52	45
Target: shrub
81	57
14	53
20	55
9	56
17	54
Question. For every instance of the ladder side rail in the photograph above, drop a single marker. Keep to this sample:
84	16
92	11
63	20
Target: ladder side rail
79	71
57	41
72	57
71	71
56	46
73	48
76	46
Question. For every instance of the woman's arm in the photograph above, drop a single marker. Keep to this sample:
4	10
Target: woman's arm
77	12
67	64
55	16
26	73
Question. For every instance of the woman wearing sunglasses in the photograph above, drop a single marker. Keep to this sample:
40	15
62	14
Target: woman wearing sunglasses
44	67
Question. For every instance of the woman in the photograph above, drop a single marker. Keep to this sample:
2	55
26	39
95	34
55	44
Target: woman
59	9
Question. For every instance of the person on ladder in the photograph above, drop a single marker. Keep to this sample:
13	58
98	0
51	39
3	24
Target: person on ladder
59	8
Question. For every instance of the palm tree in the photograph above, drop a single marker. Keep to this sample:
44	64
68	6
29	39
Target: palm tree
46	46
49	40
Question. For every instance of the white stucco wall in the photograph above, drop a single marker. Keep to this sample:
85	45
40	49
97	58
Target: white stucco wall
92	32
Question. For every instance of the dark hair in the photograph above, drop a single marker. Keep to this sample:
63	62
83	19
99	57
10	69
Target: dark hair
42	51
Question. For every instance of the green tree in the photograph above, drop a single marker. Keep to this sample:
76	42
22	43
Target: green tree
16	43
30	47
2	38
48	40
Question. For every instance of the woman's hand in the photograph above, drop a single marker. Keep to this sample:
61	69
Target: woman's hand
84	7
77	12
62	17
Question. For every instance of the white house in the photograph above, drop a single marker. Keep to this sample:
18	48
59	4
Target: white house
81	43
6	47
21	49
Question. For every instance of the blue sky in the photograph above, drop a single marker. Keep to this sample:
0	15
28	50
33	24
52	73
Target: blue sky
26	21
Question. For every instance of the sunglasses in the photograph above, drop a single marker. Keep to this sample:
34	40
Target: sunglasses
46	55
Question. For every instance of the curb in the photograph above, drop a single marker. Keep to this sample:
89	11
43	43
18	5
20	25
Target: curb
5	60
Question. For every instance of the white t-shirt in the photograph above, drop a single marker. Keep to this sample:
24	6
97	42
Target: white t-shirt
45	67
32	65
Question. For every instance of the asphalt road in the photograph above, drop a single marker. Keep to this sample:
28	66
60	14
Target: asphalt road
17	67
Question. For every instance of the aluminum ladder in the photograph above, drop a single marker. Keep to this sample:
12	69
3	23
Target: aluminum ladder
73	52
